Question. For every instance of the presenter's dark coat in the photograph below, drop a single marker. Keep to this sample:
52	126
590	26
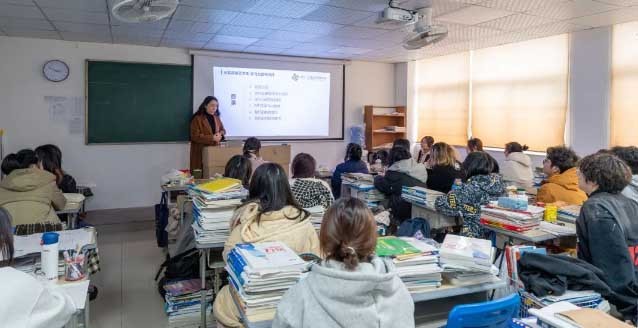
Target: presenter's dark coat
202	136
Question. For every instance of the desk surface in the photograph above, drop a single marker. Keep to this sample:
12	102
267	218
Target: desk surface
444	291
167	188
209	246
70	208
533	236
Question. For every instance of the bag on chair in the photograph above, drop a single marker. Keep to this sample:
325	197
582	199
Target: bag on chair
161	220
417	227
179	267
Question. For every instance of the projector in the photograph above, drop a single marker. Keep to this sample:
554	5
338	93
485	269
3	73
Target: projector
394	15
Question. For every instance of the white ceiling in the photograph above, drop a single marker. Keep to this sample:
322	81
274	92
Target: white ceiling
316	28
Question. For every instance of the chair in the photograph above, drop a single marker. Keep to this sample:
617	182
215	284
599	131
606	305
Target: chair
493	314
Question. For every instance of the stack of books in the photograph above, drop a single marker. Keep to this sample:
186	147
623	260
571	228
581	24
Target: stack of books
214	203
316	215
259	275
467	260
362	187
420	196
569	213
511	220
183	303
419	271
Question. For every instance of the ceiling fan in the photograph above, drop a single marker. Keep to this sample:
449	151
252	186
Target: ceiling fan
140	11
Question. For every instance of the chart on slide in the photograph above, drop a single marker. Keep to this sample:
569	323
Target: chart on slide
268	102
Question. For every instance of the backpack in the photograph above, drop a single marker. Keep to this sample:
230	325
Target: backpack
179	267
161	220
417	227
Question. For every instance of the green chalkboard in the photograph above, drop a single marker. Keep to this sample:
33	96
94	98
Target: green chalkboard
136	103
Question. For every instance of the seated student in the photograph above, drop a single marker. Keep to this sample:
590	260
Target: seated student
444	168
252	146
562	182
352	287
50	159
352	164
630	156
29	193
478	189
10	163
405	143
476	144
270	214
607	228
517	168
308	191
239	167
404	171
422	153
24	301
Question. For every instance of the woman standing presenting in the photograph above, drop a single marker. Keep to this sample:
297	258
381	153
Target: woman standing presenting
207	129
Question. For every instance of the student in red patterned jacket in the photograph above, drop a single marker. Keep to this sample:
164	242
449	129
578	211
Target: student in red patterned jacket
607	228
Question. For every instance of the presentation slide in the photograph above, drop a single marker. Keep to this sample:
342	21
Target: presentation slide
274	98
268	102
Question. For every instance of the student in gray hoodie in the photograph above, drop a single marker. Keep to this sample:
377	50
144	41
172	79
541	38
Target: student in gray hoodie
352	287
630	156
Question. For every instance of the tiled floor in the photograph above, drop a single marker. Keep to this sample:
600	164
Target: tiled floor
129	258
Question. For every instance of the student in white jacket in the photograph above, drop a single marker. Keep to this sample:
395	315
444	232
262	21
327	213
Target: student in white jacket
352	287
517	168
24	301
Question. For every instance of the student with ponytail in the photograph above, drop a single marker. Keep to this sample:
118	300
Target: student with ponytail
352	287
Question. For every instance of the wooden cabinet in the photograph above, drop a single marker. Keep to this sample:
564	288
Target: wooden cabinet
378	119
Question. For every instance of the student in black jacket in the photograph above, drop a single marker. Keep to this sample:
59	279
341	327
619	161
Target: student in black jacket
404	171
607	228
444	168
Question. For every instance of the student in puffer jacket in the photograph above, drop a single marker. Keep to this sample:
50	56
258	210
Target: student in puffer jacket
478	189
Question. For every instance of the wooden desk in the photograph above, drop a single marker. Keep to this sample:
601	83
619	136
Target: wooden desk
533	236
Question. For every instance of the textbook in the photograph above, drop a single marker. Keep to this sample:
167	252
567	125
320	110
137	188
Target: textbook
419	271
214	204
219	185
394	246
260	274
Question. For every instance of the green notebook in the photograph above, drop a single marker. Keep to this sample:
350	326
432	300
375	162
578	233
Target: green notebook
393	246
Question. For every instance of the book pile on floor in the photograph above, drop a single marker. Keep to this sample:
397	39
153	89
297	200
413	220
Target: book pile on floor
362	187
259	275
420	196
467	260
183	303
214	203
316	215
416	261
569	213
511	220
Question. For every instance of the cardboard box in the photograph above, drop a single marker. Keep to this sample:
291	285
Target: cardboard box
216	157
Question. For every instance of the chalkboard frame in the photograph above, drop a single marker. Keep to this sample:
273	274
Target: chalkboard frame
86	102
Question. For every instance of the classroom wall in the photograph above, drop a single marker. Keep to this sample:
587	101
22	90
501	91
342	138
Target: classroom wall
128	175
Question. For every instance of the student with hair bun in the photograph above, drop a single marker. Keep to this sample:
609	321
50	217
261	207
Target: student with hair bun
351	287
517	168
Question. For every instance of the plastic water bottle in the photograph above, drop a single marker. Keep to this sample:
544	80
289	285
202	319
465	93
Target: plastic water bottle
50	254
457	184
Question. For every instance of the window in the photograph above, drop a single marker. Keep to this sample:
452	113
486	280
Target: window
519	93
442	97
624	85
515	92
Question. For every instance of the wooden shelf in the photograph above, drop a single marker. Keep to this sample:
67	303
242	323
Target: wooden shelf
376	121
389	115
386	131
